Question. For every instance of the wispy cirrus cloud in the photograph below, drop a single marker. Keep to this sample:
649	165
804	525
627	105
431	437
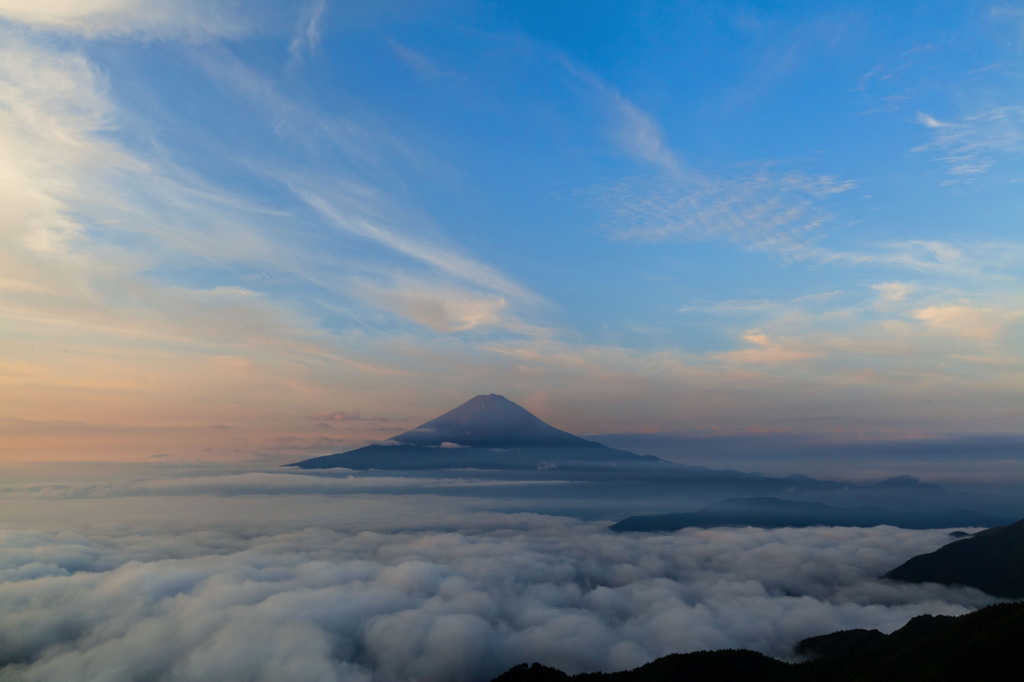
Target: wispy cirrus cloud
893	291
967	321
308	31
452	291
371	150
123	268
762	206
443	310
72	193
764	350
90	227
765	210
64	172
974	144
418	63
194	20
634	130
347	416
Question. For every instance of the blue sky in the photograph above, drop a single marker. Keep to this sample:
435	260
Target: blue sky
223	221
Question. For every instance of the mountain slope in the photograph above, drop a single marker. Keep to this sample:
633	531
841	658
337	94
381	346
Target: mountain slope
485	432
771	512
992	561
983	645
490	421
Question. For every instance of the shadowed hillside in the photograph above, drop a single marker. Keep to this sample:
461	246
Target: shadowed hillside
992	561
984	645
771	512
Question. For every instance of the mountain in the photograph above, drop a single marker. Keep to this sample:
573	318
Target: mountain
983	645
772	512
490	421
712	666
485	432
992	561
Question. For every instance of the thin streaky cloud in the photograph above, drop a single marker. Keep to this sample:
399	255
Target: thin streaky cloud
976	144
189	20
444	259
894	291
636	131
443	308
765	210
419	63
308	30
370	150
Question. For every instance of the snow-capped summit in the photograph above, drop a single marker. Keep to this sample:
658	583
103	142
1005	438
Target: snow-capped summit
490	421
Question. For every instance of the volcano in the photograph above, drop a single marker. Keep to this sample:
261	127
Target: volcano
485	432
490	421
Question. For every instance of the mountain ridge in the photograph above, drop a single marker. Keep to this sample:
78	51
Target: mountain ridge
982	645
772	512
490	420
488	431
991	560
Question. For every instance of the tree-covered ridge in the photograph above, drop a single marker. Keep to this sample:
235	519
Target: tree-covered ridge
992	561
983	645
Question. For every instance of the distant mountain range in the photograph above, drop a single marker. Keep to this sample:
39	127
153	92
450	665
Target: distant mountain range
983	645
772	512
490	436
485	432
992	561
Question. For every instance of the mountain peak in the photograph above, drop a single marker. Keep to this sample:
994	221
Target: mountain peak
489	420
485	432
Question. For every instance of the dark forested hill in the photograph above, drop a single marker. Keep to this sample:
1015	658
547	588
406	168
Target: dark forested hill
992	561
984	645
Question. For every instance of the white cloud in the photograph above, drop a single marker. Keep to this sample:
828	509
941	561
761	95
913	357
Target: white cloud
641	136
63	178
929	121
187	19
636	131
370	148
53	106
261	593
966	321
767	351
976	143
308	31
442	311
419	63
765	209
893	291
443	258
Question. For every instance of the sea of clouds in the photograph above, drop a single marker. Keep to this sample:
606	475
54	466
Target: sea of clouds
279	576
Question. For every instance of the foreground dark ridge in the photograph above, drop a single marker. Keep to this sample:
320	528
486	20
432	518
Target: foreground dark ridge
992	561
984	645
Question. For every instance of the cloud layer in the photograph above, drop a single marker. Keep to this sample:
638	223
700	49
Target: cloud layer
311	597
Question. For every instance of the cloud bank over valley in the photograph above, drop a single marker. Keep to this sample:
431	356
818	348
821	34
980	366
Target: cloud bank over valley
317	586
